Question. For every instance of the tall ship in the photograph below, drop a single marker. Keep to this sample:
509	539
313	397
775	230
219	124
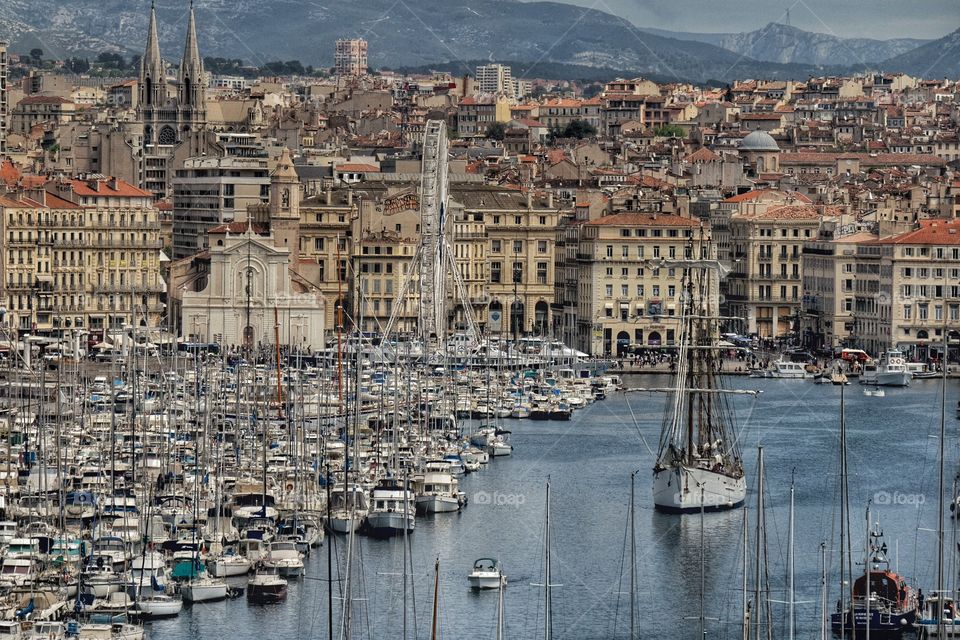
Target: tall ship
699	463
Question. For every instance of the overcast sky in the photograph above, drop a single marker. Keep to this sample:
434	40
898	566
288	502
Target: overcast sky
880	19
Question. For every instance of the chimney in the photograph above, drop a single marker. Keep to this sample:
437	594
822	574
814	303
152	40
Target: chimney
529	198
328	196
550	199
350	197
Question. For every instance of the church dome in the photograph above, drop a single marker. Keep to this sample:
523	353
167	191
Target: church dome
759	141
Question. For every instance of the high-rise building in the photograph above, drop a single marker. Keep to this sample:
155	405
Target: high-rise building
3	97
495	78
210	191
351	57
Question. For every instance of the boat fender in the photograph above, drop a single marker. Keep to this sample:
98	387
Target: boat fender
289	486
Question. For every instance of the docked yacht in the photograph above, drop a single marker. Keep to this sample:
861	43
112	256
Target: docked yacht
890	371
438	491
266	587
285	558
392	509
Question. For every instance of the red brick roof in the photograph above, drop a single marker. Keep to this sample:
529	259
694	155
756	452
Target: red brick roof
357	168
784	212
644	220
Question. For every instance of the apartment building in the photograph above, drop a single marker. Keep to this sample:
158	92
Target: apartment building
765	288
920	289
625	294
475	114
350	57
495	78
210	191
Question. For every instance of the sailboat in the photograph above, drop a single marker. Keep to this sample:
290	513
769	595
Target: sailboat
698	463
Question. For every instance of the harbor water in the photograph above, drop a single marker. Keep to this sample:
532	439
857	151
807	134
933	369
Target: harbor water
893	446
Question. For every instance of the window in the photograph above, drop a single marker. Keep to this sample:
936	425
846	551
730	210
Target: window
608	290
609	250
671	291
517	220
610	272
938	312
518	246
671	251
656	251
625	251
656	291
542	273
495	246
494	272
543	220
518	272
625	272
922	312
541	246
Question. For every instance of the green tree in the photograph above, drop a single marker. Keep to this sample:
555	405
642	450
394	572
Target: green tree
496	131
579	129
36	55
670	131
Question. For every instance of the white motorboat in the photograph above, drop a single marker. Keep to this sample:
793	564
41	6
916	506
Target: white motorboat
876	393
392	510
285	558
486	574
890	371
789	370
939	610
160	605
438	491
348	509
204	589
229	564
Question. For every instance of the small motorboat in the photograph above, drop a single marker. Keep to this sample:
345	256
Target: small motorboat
876	393
486	574
266	587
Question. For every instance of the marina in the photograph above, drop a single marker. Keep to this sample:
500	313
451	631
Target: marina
214	532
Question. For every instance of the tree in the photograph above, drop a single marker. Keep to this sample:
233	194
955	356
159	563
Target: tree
110	60
670	131
78	65
579	129
36	55
496	131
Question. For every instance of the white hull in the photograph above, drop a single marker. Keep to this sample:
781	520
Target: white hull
234	566
204	591
437	504
486	581
678	489
160	606
894	379
346	524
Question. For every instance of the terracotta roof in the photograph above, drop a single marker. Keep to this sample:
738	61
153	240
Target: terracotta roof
56	202
757	194
106	188
930	232
9	173
644	220
45	100
702	155
783	212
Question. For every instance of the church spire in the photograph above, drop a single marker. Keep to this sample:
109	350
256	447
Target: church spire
151	65
192	81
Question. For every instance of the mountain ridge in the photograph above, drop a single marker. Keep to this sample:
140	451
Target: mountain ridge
411	34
